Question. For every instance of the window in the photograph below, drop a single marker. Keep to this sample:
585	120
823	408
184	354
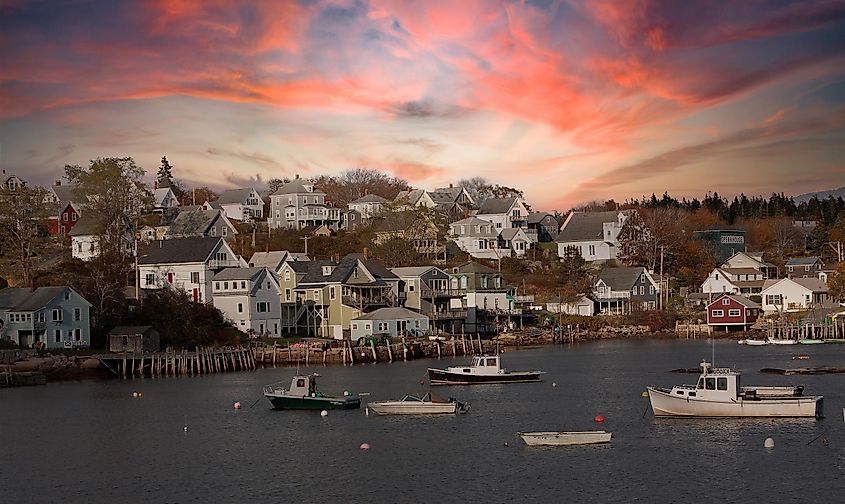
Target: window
195	277
268	285
722	383
642	290
651	289
354	326
332	293
243	284
77	314
240	307
217	286
263	307
592	250
287	295
77	334
710	383
411	286
287	275
734	313
224	231
774	299
718	313
316	294
225	285
57	315
58	335
213	231
726	302
807	268
382	326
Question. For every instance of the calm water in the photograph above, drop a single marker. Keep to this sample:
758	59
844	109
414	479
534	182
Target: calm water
93	442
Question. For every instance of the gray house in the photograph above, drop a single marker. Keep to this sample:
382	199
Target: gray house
389	322
804	267
51	317
428	290
135	339
198	223
621	290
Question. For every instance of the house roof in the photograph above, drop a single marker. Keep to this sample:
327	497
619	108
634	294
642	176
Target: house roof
88	224
496	205
741	271
270	260
67	193
586	226
537	217
446	194
180	250
395	313
812	284
299	256
194	222
412	196
129	330
25	300
621	279
803	261
369	198
234	195
744	301
510	233
238	273
343	270
397	221
411	271
473	267
296	186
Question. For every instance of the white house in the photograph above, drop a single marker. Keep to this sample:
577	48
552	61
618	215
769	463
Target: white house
793	294
414	198
593	235
249	297
583	306
86	235
516	240
164	198
368	206
479	238
11	182
504	213
298	204
55	317
241	204
754	260
744	281
188	264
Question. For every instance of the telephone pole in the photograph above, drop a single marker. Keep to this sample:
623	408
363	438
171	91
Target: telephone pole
305	239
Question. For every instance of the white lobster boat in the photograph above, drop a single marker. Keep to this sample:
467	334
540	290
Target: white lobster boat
718	394
428	404
564	438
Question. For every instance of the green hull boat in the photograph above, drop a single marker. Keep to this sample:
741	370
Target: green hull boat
811	341
303	395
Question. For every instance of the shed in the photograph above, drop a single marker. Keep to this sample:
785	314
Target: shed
135	339
390	322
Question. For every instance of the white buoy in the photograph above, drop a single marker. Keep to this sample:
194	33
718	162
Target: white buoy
364	446
324	413
237	405
769	443
134	394
554	384
346	393
185	428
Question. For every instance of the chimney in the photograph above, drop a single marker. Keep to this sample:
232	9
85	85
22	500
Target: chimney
450	186
58	183
297	176
366	253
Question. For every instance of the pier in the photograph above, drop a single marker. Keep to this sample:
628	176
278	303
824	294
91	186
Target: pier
201	360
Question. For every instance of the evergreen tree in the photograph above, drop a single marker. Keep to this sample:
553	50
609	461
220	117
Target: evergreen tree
165	171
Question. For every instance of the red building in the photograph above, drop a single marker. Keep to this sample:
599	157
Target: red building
732	311
64	222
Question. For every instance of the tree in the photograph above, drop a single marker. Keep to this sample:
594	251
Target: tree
836	282
396	252
165	171
197	196
650	233
274	184
114	193
576	277
355	183
20	213
481	189
101	282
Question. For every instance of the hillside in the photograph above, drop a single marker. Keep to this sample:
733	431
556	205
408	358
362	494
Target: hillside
836	193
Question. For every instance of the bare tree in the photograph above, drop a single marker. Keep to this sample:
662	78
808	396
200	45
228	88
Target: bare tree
650	232
355	183
20	214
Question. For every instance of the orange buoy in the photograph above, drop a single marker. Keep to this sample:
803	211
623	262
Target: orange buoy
599	418
237	405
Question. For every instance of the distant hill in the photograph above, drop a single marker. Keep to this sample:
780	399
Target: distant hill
836	193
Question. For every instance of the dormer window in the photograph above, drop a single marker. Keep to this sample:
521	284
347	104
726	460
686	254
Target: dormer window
327	270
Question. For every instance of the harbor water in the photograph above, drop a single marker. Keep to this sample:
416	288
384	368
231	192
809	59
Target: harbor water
182	440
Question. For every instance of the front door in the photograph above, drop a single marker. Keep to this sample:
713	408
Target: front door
196	295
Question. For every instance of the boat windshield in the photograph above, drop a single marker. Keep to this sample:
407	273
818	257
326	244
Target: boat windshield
700	383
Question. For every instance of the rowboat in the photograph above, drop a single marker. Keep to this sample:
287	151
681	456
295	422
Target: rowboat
303	394
752	342
429	404
564	438
775	341
483	369
808	341
718	394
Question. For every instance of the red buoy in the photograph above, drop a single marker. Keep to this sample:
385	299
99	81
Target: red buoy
599	418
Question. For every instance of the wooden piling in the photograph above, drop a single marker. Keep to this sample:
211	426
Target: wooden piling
375	354
389	351
438	348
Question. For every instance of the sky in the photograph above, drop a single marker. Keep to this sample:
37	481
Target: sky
568	100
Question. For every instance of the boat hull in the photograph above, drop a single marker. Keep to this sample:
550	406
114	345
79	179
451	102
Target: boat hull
564	438
285	402
666	405
409	408
444	377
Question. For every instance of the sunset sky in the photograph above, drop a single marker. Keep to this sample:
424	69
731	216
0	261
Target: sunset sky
568	100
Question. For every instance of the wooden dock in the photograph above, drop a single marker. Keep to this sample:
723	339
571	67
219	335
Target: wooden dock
201	360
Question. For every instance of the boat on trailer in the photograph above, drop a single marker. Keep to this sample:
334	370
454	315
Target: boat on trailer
719	393
303	394
482	369
429	404
564	438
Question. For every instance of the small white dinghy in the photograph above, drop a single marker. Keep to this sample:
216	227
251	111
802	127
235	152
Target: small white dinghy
563	438
753	342
429	404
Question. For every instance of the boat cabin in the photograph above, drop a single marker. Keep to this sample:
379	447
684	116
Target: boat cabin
713	383
303	386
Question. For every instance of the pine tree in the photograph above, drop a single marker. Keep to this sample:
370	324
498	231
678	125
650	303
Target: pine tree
165	171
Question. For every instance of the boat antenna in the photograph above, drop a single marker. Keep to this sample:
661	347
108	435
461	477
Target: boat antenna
713	351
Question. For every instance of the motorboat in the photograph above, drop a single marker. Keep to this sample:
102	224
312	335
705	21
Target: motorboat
428	404
563	438
718	393
752	342
303	394
809	341
776	341
482	369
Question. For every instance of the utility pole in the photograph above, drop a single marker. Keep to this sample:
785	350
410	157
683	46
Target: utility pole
137	270
661	277
305	239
